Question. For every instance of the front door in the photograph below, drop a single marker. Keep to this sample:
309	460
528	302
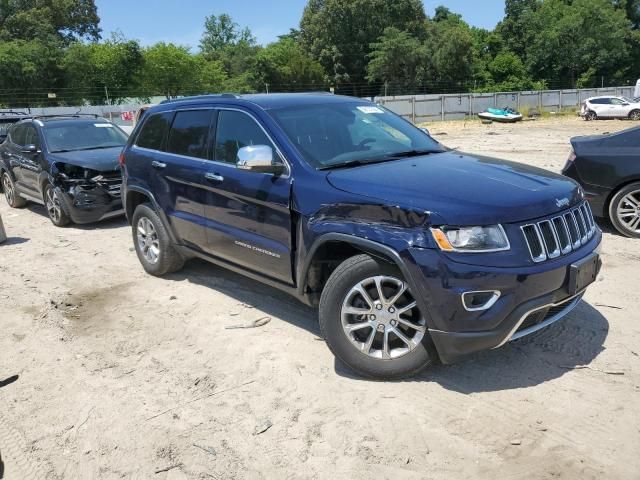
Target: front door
31	163
248	215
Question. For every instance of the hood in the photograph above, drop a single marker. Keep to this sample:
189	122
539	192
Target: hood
462	189
102	159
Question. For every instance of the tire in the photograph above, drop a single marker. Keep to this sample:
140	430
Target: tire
591	115
624	210
153	245
363	349
56	209
634	115
10	194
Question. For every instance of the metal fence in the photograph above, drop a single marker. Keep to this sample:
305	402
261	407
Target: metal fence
430	108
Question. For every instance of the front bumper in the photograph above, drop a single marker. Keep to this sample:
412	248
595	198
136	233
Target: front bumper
91	204
525	291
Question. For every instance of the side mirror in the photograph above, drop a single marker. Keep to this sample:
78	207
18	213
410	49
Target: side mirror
425	130
259	158
30	149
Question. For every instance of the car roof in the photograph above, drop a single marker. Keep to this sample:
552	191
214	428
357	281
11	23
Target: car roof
263	100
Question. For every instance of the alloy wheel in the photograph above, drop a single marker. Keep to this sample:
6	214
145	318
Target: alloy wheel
148	242
54	209
635	115
381	319
7	186
628	211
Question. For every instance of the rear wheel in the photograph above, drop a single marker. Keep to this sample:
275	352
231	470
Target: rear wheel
371	320
624	210
635	115
591	115
55	208
10	194
152	242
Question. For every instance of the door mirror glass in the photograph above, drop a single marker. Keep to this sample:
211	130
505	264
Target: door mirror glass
30	149
259	158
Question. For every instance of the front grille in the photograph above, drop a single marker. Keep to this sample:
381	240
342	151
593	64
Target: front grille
560	235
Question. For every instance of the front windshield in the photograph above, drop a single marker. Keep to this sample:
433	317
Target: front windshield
83	136
332	135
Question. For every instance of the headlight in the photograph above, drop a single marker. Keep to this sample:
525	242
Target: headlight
471	239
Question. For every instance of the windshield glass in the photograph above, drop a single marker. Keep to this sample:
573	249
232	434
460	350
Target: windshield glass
334	135
83	136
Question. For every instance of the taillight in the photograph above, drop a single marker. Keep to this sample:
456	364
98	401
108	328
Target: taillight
121	159
572	156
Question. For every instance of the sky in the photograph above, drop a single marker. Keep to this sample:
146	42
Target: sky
181	21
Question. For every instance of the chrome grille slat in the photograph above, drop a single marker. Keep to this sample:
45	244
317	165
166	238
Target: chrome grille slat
560	235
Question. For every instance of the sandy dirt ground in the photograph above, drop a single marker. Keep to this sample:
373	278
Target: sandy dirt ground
108	373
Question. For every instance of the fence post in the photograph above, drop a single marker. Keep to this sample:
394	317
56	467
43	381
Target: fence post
495	100
3	234
442	107
518	100
470	105
413	109
540	101
560	102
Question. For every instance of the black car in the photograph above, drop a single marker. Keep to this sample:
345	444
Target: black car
8	118
69	164
608	168
411	252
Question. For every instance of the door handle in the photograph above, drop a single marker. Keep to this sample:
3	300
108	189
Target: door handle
214	176
158	165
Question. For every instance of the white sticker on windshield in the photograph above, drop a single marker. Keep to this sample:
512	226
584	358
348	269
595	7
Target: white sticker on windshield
370	110
103	125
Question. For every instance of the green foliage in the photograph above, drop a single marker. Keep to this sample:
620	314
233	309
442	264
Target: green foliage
339	33
96	70
286	65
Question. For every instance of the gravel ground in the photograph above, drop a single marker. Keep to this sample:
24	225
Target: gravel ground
121	375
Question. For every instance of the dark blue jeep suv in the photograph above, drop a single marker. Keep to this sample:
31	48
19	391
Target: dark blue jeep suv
413	253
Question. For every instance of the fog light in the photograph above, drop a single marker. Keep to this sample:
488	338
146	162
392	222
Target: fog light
481	300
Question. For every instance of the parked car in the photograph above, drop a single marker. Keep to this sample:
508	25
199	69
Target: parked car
69	164
411	252
595	108
8	118
608	168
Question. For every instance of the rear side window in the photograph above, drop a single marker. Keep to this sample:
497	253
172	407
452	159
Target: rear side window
601	101
19	134
154	131
189	133
237	130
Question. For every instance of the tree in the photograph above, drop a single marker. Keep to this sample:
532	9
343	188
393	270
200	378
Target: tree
221	32
399	60
95	70
339	33
65	20
286	67
171	70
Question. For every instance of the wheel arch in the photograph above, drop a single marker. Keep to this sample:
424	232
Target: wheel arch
331	249
135	196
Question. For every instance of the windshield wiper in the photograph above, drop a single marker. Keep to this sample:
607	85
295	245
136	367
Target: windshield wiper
385	158
85	148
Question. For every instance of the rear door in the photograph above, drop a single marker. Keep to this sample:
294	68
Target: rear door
31	163
12	153
603	107
173	148
248	215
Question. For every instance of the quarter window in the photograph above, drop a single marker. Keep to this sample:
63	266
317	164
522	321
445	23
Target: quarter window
19	134
153	131
189	133
235	131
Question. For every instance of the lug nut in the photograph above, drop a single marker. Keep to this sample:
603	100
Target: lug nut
392	310
393	323
372	317
381	328
378	306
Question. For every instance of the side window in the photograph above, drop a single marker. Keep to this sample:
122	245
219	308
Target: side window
617	101
153	131
236	130
18	134
189	133
31	137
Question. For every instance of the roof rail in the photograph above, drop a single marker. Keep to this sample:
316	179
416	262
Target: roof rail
67	115
201	97
12	112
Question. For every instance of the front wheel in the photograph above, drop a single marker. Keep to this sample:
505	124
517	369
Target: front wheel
55	207
635	115
624	210
152	242
371	320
